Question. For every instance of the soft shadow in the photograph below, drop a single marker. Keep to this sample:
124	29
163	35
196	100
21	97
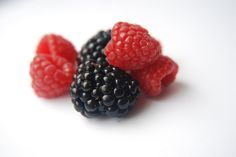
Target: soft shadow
172	90
144	102
5	1
58	101
141	104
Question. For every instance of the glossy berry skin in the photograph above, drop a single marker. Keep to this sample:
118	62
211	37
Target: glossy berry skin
94	47
103	90
131	47
51	76
56	45
152	78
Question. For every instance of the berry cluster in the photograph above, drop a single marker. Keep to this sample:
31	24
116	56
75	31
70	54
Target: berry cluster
132	48
104	78
98	88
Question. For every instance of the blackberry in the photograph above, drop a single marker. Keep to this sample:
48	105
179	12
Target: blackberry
103	90
93	49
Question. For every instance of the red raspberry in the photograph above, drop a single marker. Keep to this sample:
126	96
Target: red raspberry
56	45
153	77
131	47
51	75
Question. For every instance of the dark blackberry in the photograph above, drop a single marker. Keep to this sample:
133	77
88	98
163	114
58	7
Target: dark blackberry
101	89
93	49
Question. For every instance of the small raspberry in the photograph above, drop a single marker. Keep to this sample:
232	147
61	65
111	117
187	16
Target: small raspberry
56	45
131	47
161	73
51	75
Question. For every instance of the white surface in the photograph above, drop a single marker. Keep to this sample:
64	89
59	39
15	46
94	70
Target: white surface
196	116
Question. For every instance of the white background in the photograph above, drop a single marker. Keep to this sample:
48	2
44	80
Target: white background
194	117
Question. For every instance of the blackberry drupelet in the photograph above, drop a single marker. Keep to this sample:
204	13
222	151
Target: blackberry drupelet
103	90
93	49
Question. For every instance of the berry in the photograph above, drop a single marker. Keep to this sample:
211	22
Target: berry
56	45
51	75
152	78
131	47
93	48
103	90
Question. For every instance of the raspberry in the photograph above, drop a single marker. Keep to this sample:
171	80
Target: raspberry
93	48
153	77
51	75
56	45
131	47
103	90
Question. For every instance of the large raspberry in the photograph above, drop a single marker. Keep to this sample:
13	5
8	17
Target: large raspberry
131	47
56	45
51	75
153	77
